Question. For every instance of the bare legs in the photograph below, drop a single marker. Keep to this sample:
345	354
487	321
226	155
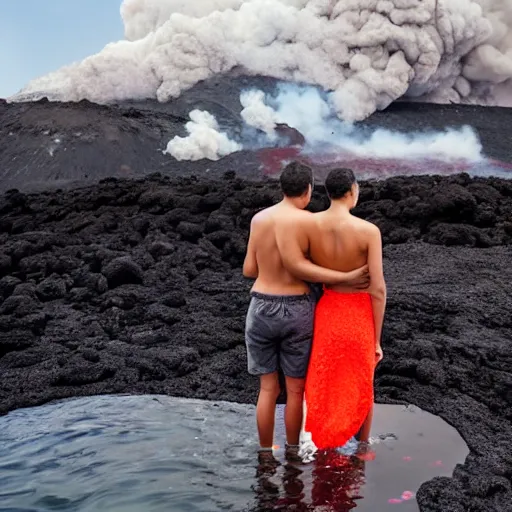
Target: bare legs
364	434
364	451
266	407
294	409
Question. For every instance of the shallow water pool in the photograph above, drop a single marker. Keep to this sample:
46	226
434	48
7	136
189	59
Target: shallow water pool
157	453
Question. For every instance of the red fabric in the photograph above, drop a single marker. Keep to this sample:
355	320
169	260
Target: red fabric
339	383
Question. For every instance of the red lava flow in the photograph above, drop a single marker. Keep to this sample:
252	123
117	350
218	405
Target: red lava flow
272	160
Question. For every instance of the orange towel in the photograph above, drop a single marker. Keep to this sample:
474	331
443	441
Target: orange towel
339	383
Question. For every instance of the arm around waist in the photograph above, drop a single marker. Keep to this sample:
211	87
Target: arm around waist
293	244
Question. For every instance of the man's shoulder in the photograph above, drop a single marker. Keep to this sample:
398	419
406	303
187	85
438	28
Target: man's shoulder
292	215
262	215
303	214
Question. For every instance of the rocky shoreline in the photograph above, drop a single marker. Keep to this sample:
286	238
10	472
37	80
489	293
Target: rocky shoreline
135	286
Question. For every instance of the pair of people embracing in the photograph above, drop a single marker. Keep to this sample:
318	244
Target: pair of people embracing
327	348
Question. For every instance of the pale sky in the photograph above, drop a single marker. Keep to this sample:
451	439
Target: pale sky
40	36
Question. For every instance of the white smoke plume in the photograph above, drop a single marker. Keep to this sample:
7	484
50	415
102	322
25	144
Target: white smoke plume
257	114
310	112
204	140
368	53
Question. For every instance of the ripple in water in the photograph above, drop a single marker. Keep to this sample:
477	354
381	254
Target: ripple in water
156	453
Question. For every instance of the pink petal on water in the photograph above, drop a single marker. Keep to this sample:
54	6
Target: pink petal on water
407	495
394	501
407	459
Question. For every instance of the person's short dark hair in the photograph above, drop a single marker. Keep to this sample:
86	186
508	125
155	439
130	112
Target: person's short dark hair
296	179
339	182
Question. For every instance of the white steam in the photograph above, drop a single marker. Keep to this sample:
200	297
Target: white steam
367	52
257	114
204	140
451	144
311	112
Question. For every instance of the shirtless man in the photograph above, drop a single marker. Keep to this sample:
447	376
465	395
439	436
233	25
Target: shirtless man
279	324
340	241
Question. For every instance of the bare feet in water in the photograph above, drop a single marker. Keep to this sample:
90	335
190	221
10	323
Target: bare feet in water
364	451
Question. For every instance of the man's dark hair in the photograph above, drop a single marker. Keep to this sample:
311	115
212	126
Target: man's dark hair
339	182
295	179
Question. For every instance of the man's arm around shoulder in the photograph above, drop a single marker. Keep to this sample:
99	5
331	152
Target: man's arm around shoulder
293	243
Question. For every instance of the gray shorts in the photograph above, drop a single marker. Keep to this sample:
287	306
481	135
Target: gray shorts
279	333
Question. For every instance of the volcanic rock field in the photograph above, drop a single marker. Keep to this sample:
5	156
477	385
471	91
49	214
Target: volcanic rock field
134	285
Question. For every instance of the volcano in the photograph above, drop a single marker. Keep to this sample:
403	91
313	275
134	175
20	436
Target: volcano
54	145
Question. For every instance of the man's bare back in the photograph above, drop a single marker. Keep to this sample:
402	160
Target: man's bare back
272	276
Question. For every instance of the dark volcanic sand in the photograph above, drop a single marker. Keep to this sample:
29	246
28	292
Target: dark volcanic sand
136	287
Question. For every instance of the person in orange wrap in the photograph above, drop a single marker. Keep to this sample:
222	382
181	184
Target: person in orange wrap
347	326
279	323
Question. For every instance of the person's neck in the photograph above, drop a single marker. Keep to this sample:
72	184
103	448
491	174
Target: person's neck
340	207
294	202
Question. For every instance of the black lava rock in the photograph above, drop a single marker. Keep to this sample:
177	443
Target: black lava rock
136	287
123	271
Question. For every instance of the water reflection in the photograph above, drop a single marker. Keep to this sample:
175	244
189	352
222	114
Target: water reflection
161	454
409	447
336	484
